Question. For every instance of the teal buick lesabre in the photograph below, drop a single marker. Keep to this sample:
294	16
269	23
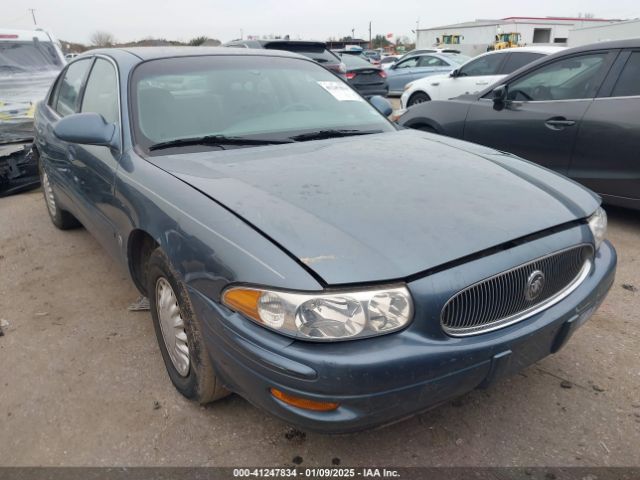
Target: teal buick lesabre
302	251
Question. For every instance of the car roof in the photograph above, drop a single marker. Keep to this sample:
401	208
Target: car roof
548	49
153	53
630	43
12	35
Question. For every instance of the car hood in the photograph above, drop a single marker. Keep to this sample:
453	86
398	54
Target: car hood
386	206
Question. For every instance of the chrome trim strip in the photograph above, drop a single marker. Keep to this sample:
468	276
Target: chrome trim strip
505	322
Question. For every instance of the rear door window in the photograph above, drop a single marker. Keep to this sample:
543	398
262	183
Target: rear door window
68	89
516	60
487	65
429	61
628	84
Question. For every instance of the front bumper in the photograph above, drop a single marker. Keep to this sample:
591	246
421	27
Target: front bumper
404	98
384	379
18	169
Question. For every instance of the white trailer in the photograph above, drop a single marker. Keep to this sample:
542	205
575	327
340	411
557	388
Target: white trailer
478	35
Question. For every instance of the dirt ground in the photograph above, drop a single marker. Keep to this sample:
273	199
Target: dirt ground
82	381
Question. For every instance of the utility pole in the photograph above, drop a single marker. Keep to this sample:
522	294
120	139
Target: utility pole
353	33
33	15
369	34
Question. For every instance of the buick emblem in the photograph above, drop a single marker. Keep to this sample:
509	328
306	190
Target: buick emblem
535	284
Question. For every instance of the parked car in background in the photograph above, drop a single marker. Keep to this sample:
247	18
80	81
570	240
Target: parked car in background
418	66
373	56
388	60
316	51
299	249
576	112
420	51
366	78
29	62
472	76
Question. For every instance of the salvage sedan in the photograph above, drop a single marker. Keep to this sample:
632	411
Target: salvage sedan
298	249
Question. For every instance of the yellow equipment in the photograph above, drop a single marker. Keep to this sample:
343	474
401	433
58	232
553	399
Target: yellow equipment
506	40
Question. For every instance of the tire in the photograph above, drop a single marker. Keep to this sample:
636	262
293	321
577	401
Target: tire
417	98
197	381
62	219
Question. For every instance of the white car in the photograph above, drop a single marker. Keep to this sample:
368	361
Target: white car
388	60
473	76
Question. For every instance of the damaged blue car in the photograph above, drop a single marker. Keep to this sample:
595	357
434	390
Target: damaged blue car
302	251
29	63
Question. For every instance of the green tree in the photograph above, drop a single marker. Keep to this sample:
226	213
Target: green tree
196	42
380	41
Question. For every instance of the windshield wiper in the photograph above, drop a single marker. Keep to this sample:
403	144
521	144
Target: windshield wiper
216	141
322	134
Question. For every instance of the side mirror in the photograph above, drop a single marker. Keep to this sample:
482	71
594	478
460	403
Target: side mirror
455	73
499	96
381	104
87	129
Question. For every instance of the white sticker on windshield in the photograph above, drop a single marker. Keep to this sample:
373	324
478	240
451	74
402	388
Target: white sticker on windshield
340	91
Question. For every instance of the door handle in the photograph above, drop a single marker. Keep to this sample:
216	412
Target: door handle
558	123
482	83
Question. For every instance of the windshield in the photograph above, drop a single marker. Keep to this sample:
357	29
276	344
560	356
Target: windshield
355	61
262	98
456	58
29	56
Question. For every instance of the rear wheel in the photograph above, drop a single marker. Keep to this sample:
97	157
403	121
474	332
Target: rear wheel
179	334
417	98
59	217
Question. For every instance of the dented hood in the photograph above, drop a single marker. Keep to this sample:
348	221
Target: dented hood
383	207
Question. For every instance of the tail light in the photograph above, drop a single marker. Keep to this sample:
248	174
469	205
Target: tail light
382	73
351	75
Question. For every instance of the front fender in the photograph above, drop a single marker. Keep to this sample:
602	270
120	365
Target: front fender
445	117
208	245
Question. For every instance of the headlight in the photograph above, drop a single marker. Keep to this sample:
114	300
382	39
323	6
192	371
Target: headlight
340	315
598	226
408	86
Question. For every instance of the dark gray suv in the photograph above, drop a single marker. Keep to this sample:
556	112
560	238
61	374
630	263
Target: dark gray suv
317	51
576	112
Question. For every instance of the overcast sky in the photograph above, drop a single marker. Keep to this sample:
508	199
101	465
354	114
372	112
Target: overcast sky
127	20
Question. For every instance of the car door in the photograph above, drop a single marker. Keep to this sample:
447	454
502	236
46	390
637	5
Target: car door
64	100
94	167
540	117
607	153
400	73
472	77
430	65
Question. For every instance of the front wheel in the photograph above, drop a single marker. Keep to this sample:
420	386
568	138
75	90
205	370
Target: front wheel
179	334
59	217
417	98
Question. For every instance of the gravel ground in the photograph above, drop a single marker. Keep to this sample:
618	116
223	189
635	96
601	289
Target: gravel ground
82	381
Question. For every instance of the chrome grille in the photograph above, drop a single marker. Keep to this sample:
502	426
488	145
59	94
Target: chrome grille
505	298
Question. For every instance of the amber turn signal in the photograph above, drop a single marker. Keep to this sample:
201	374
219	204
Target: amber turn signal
243	301
304	403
